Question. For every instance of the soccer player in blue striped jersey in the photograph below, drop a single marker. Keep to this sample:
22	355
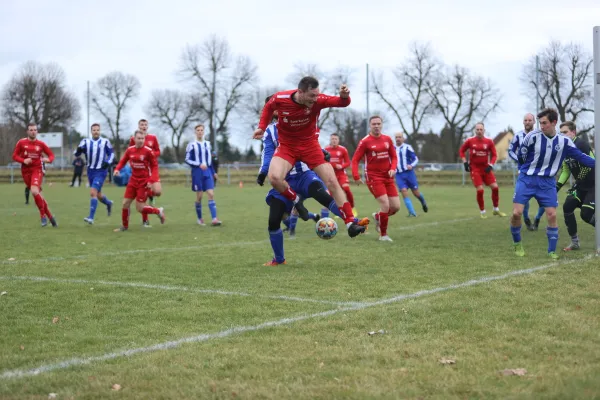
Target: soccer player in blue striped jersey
405	174
513	152
198	155
99	155
541	155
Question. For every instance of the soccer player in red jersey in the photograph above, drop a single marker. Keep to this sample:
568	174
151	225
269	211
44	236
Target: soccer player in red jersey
298	112
29	152
380	159
144	172
340	160
482	157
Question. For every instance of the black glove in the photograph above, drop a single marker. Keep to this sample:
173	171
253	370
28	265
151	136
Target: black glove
79	151
260	179
558	186
104	165
466	164
327	155
489	168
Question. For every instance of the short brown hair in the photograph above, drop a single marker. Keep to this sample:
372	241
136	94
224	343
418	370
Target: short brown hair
31	124
268	98
140	132
480	123
307	83
375	116
142	120
198	126
551	113
570	126
94	124
335	134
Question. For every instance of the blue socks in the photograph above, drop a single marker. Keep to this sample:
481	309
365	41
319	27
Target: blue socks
421	198
335	209
526	211
213	209
540	213
93	205
105	200
199	209
286	222
293	222
516	233
409	206
324	213
276	238
552	234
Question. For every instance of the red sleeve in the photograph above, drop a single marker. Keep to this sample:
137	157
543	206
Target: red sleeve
48	152
153	167
267	113
345	159
325	101
358	155
122	161
493	152
156	148
393	155
17	153
463	148
131	141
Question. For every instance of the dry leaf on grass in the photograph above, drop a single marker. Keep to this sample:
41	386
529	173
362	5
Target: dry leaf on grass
3	293
517	371
321	365
379	332
116	386
12	259
52	396
213	387
55	320
22	347
447	361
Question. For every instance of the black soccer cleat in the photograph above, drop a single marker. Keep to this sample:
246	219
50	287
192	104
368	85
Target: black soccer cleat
53	222
302	211
425	208
317	217
536	224
528	224
355	229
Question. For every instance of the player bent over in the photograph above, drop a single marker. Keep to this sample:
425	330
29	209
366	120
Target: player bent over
340	160
380	158
29	152
144	172
405	174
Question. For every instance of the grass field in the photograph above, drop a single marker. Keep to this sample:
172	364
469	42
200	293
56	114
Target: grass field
182	311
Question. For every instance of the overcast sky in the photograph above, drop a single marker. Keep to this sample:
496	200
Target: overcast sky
145	38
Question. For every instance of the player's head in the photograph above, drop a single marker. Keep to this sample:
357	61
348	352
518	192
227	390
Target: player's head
528	121
199	129
548	118
308	91
143	126
375	125
399	136
32	131
275	113
479	130
334	139
569	129
139	137
95	129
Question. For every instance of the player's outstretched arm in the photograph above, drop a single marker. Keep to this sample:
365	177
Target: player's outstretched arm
265	117
122	161
190	158
359	153
48	153
583	158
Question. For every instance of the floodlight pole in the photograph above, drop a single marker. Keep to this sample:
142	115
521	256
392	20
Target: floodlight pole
596	82
537	97
367	94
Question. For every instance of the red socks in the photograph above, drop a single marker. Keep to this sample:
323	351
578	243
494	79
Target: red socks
480	200
290	194
495	197
349	195
149	210
42	206
383	223
346	211
125	217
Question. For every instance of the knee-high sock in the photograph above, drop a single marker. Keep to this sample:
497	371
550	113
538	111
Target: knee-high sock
346	213
325	212
526	211
349	195
199	209
40	203
293	222
335	210
516	233
150	210
276	238
552	234
93	205
125	217
480	200
104	200
409	206
213	208
421	198
290	194
383	223
47	209
540	213
495	197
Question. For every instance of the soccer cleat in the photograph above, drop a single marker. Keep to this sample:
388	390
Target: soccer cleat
425	208
519	250
120	229
499	213
274	263
302	211
528	224
292	233
482	216
44	221
411	215
572	246
385	238
146	224
109	207
355	212
536	224
53	222
89	220
363	221
201	222
161	215
553	255
355	229
317	217
377	228
215	222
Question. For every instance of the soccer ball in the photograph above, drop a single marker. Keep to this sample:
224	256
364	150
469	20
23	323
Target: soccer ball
326	228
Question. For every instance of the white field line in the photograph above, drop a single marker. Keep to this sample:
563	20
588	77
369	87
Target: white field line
177	289
436	223
78	361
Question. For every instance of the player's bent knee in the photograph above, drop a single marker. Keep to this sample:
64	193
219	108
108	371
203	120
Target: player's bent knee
588	214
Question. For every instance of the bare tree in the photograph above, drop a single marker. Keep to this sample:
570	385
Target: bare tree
351	125
9	136
408	98
221	80
561	77
175	111
38	93
111	97
462	99
254	103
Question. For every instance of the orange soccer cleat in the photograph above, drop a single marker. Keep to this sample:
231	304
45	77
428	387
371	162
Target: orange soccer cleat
364	221
274	263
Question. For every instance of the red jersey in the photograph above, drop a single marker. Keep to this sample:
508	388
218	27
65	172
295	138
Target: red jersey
149	141
339	156
296	122
33	149
379	155
144	166
480	150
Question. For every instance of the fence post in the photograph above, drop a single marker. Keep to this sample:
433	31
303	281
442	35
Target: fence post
229	174
463	173
12	174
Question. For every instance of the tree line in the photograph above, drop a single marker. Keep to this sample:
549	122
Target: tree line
218	84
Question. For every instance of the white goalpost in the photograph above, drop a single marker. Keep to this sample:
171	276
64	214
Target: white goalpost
596	82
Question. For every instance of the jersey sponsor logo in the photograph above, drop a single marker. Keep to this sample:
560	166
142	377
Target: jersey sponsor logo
141	158
524	150
307	111
285	119
557	147
373	153
283	96
37	148
387	146
485	146
150	143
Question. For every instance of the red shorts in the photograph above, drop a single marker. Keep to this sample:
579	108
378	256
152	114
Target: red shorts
480	177
136	190
342	178
308	152
32	177
381	187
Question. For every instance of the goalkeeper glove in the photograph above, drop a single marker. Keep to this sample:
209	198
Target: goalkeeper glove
79	151
558	186
489	168
327	155
260	179
104	165
466	164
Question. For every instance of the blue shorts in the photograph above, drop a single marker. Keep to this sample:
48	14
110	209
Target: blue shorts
202	180
407	180
299	183
96	178
542	188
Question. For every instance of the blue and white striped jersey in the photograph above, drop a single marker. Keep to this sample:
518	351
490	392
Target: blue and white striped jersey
543	156
406	156
515	143
198	153
270	143
96	152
